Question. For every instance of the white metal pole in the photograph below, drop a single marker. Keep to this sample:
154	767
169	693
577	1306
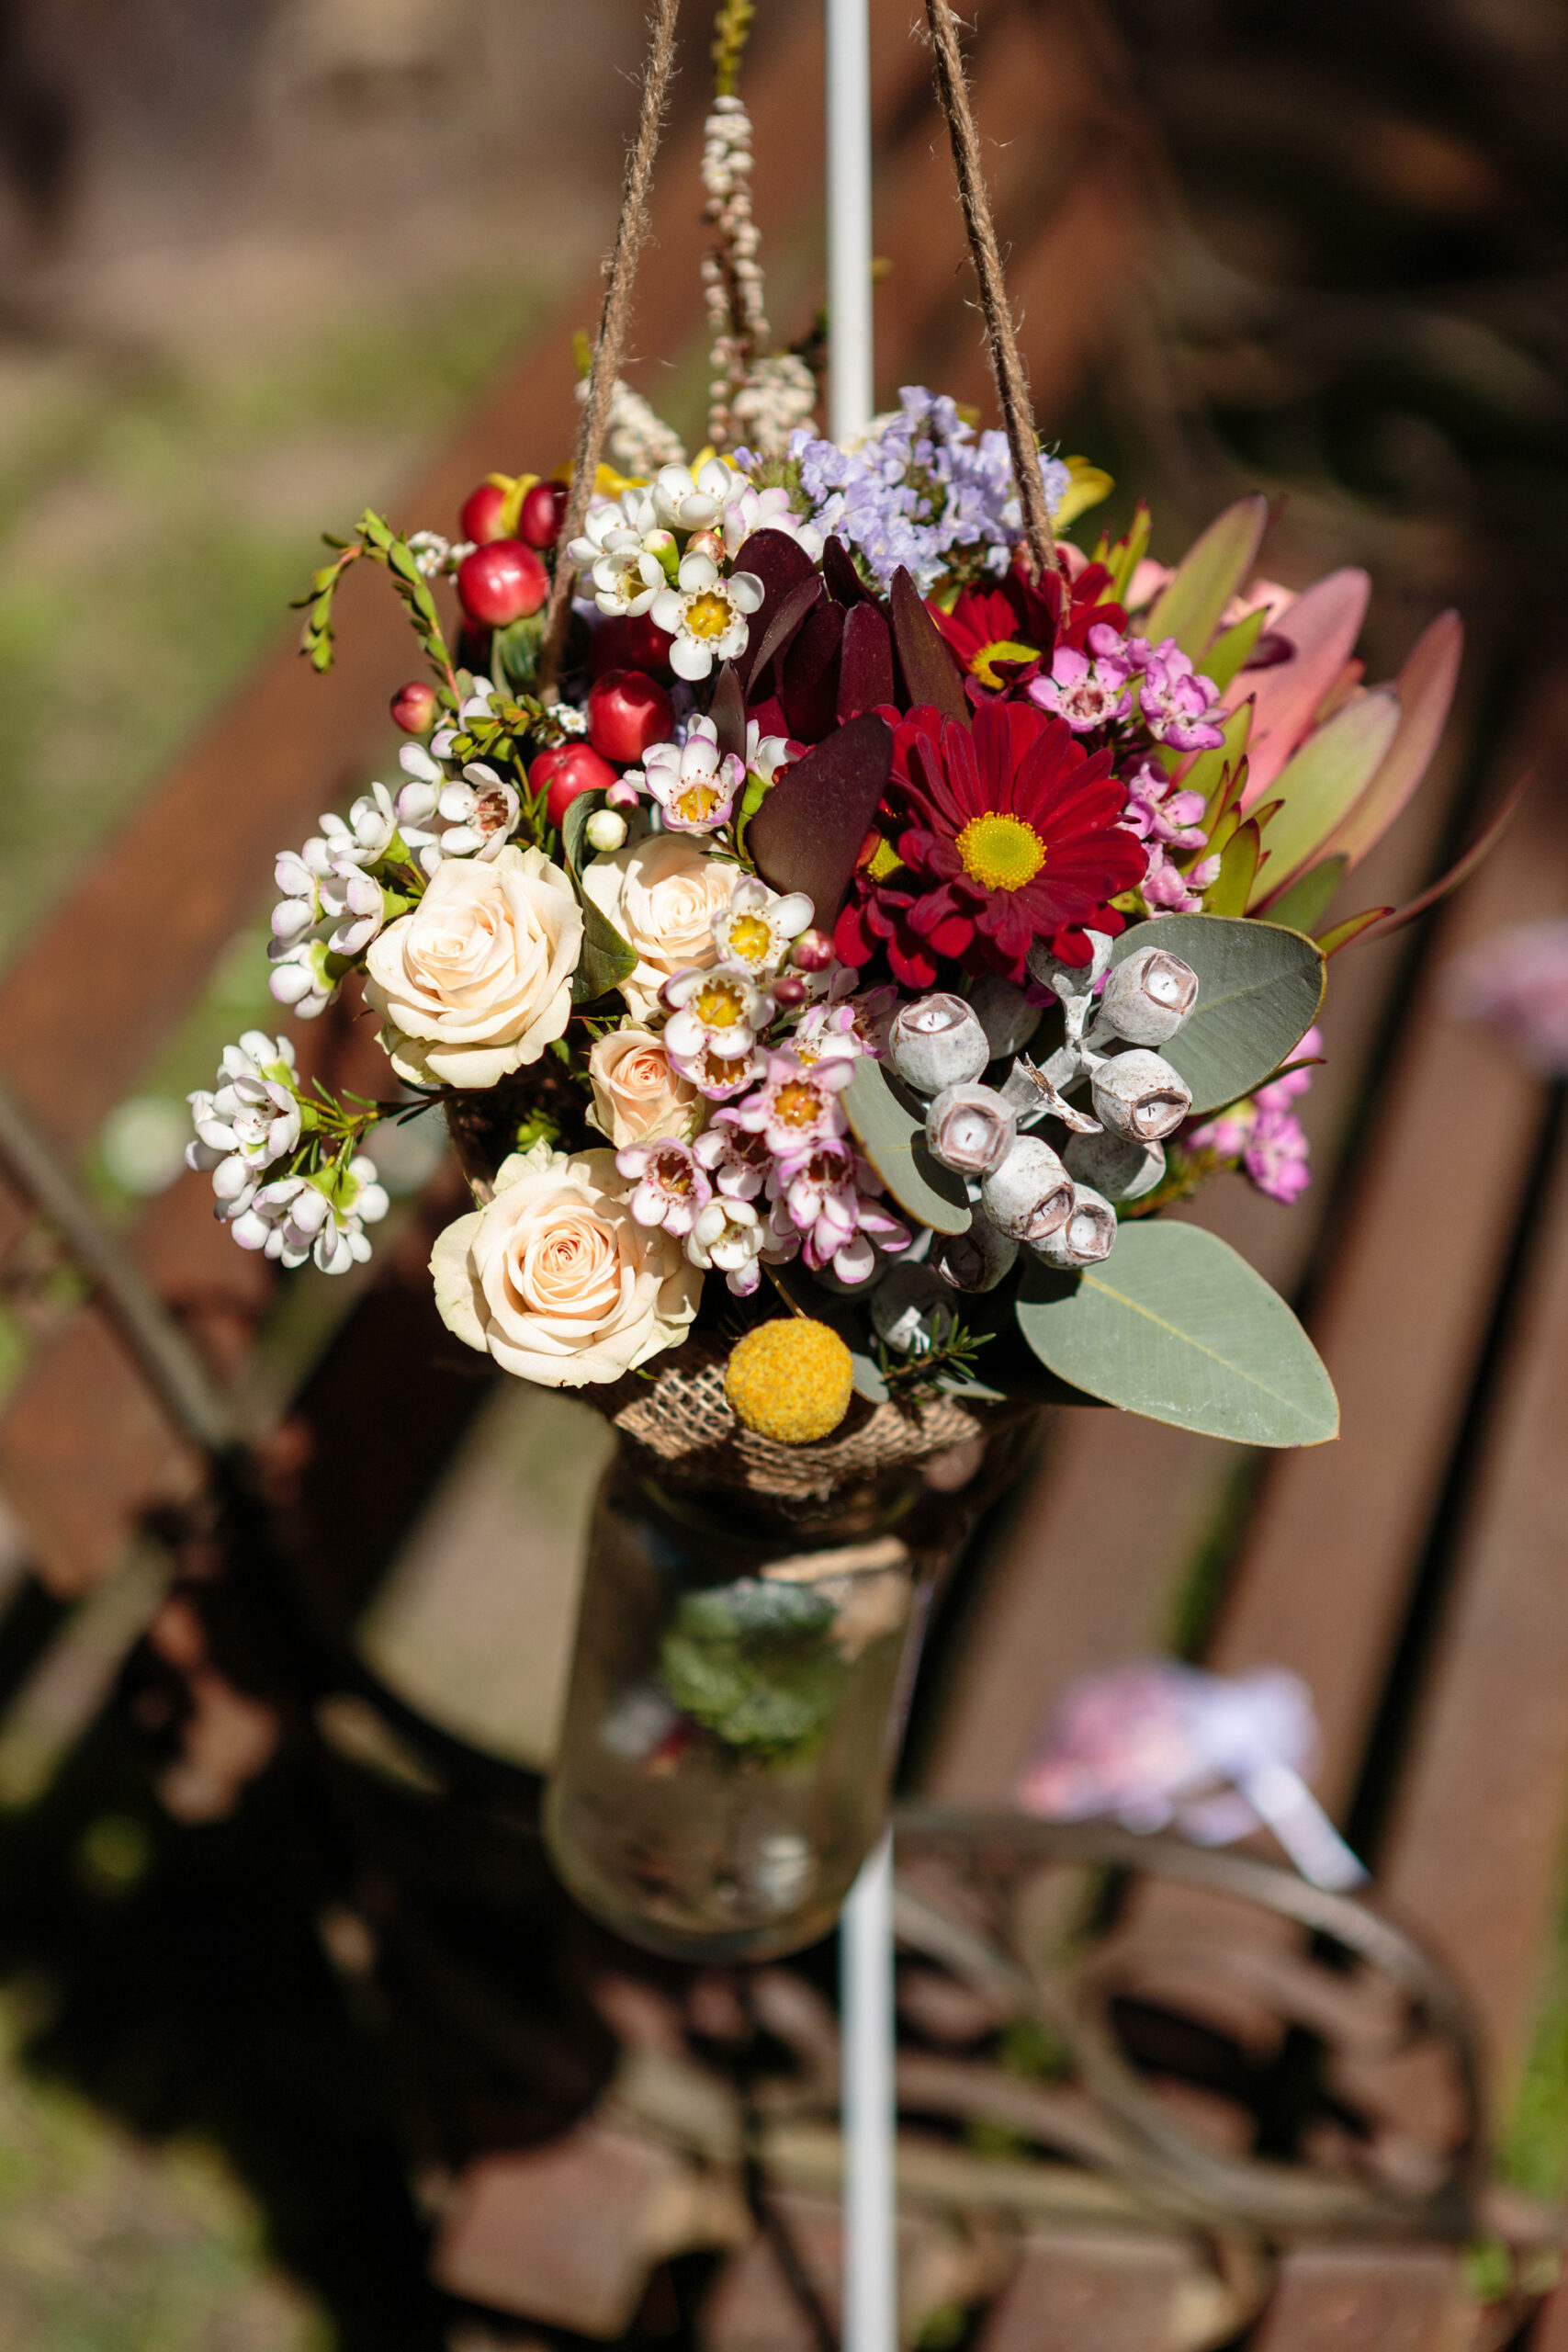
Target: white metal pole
870	2288
870	2300
852	396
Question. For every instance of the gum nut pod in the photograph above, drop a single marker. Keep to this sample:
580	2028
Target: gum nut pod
1005	1013
1146	999
912	1308
1071	979
970	1128
1111	1165
1088	1234
937	1041
977	1260
1139	1096
1030	1195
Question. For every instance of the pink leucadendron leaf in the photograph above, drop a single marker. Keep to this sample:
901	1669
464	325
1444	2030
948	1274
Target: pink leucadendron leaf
1426	688
1322	624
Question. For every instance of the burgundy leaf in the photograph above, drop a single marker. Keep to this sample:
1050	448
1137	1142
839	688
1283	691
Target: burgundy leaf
727	712
780	630
810	675
865	670
844	583
809	830
931	670
782	566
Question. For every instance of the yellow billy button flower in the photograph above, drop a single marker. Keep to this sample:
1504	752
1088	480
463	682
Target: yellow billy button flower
791	1380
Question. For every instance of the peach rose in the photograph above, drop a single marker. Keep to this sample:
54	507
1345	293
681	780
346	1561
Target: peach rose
638	1097
661	894
555	1277
476	980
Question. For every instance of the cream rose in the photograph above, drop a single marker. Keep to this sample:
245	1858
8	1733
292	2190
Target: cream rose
477	980
661	894
638	1097
556	1280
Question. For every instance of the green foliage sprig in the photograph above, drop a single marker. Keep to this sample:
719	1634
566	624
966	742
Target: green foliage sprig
375	538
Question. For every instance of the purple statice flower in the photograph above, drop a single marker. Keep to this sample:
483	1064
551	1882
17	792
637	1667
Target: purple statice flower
923	489
1515	983
1087	689
823	1203
1178	706
796	1106
670	1186
1164	818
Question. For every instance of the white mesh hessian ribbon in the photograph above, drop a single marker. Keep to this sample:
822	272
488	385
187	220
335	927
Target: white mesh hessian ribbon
1154	1745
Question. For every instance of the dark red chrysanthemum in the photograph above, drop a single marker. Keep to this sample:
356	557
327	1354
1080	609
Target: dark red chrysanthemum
1000	634
1004	833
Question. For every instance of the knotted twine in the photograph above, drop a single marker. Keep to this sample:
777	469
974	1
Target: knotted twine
1001	341
620	273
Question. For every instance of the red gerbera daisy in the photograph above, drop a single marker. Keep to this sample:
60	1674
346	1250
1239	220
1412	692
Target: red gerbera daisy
1008	836
991	629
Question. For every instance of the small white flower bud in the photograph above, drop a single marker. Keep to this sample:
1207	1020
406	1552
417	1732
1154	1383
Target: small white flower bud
1088	1234
1030	1195
937	1041
1122	1170
605	830
1071	979
912	1309
977	1260
1004	1014
1139	1095
970	1128
1146	999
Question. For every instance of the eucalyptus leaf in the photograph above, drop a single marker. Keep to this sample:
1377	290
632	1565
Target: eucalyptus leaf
1259	986
889	1125
1175	1326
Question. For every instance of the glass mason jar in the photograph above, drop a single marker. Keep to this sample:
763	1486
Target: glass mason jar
737	1701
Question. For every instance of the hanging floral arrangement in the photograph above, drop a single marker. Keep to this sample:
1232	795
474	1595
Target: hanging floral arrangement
839	900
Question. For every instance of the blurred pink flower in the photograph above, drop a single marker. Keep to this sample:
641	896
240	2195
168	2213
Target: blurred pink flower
1515	983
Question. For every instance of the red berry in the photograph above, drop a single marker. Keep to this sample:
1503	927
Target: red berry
787	990
648	645
544	512
626	712
607	648
480	519
502	583
413	706
570	769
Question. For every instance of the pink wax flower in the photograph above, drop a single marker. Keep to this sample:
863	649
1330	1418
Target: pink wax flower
1090	689
819	1203
1515	983
1179	706
796	1106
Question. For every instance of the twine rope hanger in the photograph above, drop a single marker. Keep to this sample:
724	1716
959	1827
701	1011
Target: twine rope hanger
631	233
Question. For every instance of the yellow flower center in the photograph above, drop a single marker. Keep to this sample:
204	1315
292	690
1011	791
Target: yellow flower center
797	1105
698	800
750	938
1001	852
707	615
718	1005
1004	648
885	860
